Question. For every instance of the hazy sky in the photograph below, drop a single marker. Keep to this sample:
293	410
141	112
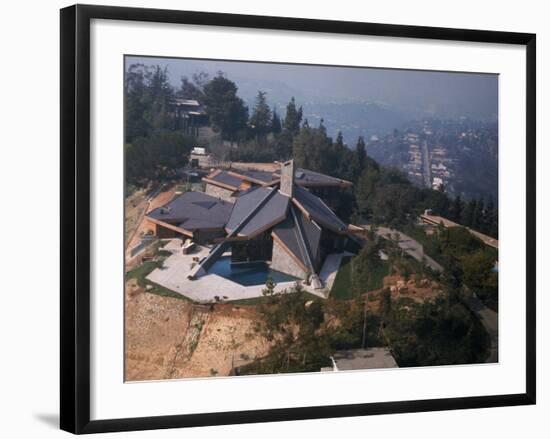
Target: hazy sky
441	93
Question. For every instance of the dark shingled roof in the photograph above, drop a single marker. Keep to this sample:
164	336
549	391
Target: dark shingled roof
300	236
194	210
305	177
302	177
246	202
266	177
311	233
226	178
272	212
318	210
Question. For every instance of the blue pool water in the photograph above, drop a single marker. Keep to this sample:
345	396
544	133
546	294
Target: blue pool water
248	274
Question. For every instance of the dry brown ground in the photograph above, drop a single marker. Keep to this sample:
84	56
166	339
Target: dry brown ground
134	208
168	338
419	291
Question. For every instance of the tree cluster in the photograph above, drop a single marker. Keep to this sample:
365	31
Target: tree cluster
148	96
439	332
476	214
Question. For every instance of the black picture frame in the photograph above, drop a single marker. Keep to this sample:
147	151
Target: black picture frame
75	217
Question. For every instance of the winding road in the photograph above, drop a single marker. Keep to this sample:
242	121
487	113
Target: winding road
410	246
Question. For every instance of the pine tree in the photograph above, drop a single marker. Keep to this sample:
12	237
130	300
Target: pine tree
456	209
468	213
491	218
275	122
322	127
359	158
226	110
270	285
261	118
339	144
293	118
478	218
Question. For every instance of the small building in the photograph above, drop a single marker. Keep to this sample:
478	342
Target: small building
437	183
358	359
189	116
198	150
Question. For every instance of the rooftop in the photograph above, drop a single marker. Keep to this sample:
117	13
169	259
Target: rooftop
257	210
314	208
188	102
300	236
371	358
194	210
302	177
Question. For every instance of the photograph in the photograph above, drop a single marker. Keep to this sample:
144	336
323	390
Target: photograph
289	218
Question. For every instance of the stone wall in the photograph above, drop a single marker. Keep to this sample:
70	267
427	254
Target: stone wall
219	192
283	262
287	178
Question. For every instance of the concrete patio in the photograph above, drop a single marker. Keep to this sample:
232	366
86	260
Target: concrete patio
176	267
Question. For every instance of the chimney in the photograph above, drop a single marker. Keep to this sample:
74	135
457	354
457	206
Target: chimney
287	178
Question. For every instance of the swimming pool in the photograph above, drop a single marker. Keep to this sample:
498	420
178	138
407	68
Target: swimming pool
248	274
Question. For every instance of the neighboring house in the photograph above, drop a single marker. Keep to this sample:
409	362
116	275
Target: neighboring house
260	217
189	115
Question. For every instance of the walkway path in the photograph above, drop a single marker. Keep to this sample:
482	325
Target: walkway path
489	319
410	246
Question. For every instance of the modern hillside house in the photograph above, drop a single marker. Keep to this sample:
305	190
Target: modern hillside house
259	217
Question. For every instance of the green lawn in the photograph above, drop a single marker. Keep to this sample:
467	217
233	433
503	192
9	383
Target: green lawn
341	289
376	280
259	300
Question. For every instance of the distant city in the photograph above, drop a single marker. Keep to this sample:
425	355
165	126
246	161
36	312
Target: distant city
459	157
440	128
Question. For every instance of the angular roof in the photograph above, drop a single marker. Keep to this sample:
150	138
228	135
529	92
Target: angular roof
263	176
300	236
257	210
194	210
296	221
244	204
224	178
307	178
302	177
314	208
